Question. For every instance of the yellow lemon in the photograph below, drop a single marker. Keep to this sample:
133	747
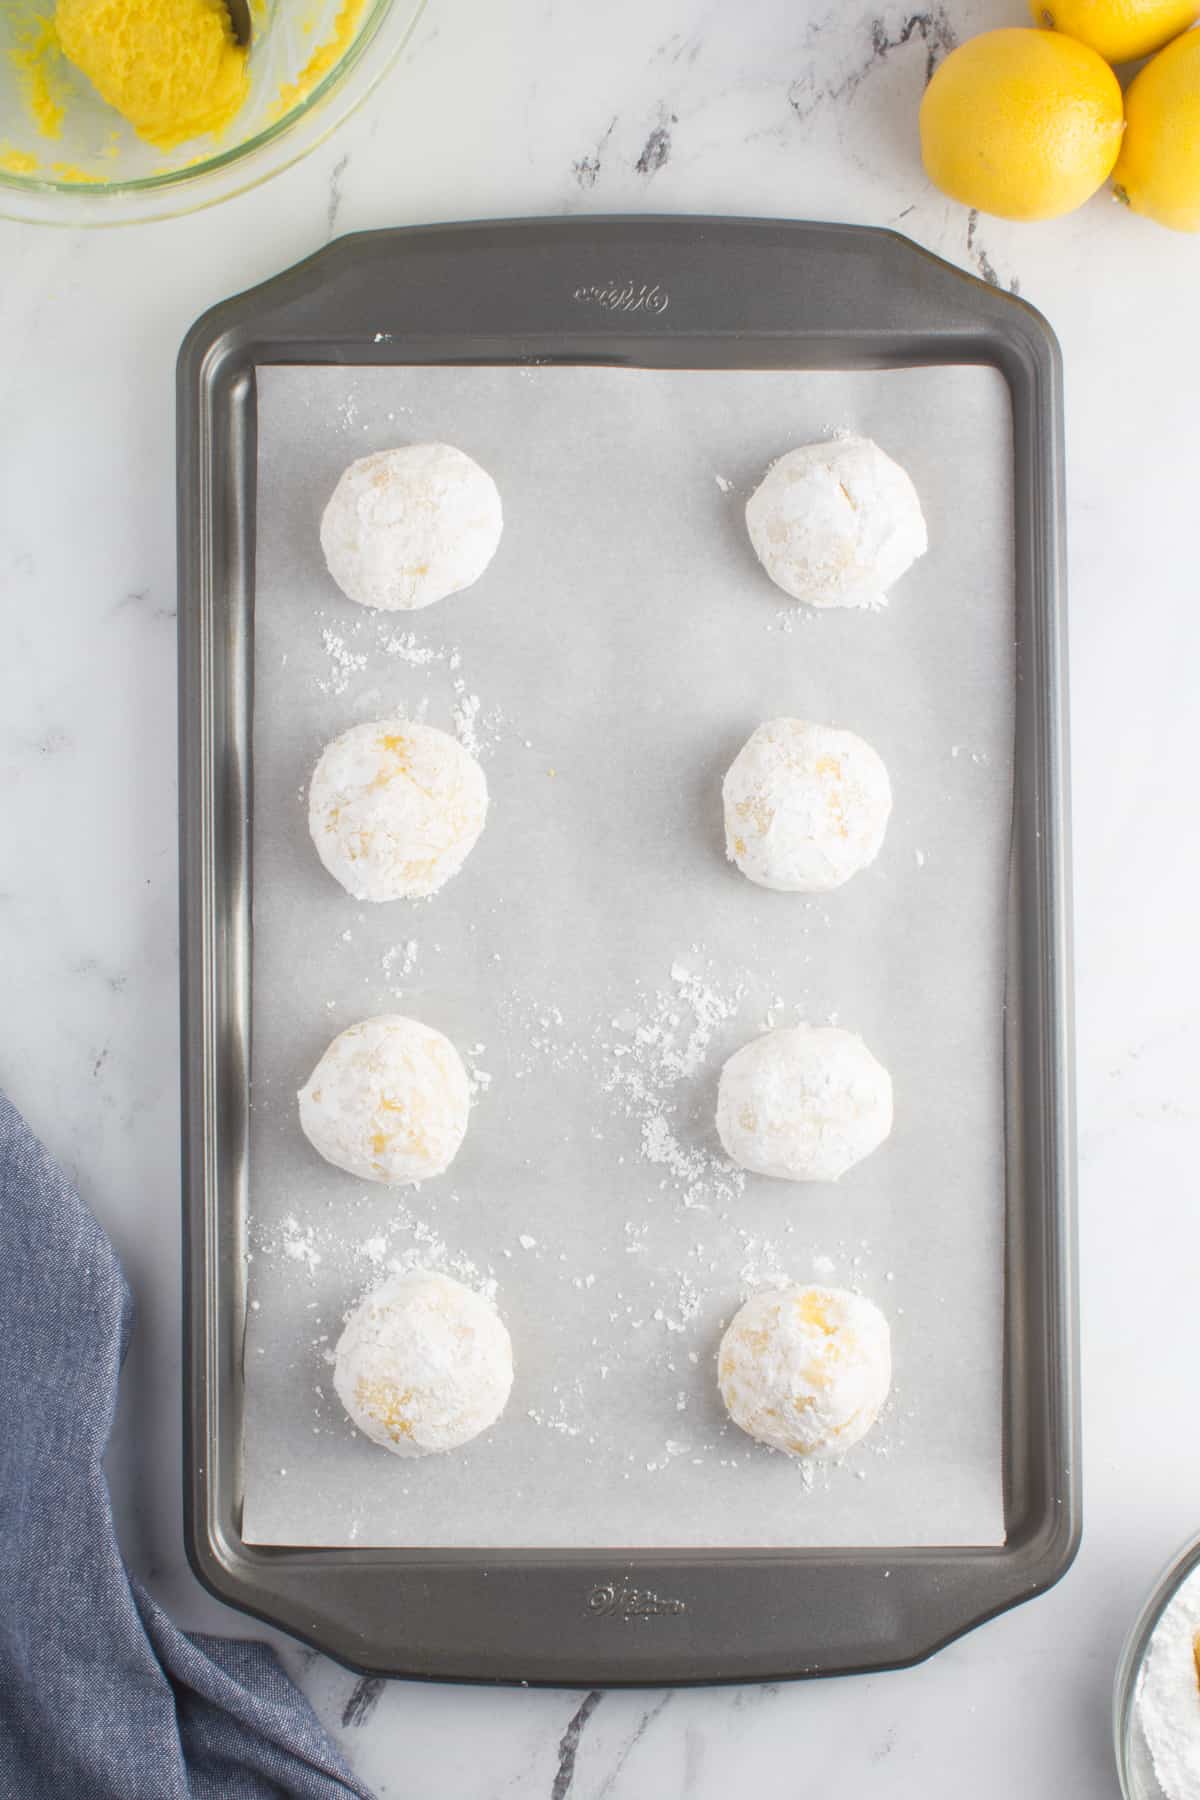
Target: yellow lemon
1022	123
1119	29
1158	170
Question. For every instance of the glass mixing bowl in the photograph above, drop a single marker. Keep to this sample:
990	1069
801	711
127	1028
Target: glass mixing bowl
1136	1770
311	62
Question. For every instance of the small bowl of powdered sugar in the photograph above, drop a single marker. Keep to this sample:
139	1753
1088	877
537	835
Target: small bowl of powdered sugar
1156	1715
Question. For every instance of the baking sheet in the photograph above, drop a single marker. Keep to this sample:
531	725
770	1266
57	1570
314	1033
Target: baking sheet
597	958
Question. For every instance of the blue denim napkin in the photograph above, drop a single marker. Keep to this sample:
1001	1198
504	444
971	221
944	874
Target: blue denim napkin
101	1698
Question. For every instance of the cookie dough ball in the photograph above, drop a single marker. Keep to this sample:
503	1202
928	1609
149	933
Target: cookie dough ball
395	809
806	1370
404	528
836	523
424	1364
388	1101
806	806
803	1103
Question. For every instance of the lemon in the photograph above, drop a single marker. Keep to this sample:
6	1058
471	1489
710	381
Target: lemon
1158	170
1119	29
1022	123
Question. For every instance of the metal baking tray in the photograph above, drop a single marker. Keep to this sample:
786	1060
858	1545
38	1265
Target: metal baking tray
658	293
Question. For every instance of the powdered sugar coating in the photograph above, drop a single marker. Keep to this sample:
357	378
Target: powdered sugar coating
395	808
423	1365
806	1369
1168	1693
803	1103
389	1101
836	523
406	527
806	806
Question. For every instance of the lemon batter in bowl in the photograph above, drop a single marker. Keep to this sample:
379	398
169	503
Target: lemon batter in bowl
112	110
171	68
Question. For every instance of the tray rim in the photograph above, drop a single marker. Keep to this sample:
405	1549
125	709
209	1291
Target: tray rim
533	1616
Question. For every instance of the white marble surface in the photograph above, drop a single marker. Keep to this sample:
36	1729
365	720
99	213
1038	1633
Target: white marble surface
546	106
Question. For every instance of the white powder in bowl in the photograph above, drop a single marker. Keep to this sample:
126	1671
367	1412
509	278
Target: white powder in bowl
1168	1694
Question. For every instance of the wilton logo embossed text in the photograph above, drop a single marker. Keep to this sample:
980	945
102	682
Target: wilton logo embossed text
627	297
617	1600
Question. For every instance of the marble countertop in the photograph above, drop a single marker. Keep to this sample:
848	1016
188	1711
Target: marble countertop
541	107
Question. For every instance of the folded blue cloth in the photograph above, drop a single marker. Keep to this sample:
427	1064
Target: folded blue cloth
101	1698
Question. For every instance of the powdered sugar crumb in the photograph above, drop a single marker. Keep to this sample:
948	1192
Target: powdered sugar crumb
477	729
399	963
343	662
466	718
479	1078
786	619
405	1244
297	1243
409	649
665	1044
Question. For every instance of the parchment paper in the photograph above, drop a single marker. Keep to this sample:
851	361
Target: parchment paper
612	660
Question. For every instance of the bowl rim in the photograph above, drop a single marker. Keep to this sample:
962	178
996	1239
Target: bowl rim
385	30
1183	1564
